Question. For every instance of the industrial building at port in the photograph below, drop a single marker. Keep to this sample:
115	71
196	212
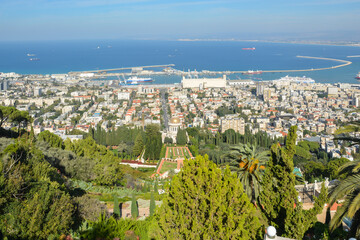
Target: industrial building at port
203	83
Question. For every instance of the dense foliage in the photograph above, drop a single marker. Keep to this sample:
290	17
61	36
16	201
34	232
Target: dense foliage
153	142
249	163
279	197
181	137
52	139
348	189
111	228
14	116
204	142
33	202
122	134
206	203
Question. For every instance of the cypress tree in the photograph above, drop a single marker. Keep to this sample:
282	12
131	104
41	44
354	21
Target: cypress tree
116	207
152	204
139	145
153	142
279	197
156	186
134	207
181	138
206	203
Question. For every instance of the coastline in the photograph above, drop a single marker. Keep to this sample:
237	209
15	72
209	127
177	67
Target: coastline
320	43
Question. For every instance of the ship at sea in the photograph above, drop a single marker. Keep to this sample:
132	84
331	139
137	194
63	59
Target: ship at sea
34	59
30	55
249	48
136	80
358	76
251	72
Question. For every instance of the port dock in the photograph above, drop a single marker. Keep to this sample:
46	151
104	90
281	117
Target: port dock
169	70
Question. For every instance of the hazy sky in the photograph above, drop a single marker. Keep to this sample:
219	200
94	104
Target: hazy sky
173	19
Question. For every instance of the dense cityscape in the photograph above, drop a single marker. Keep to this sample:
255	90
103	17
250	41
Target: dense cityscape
116	156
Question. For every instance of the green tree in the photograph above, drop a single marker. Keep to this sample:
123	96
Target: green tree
332	168
348	189
302	152
111	228
279	197
314	170
156	186
181	137
206	203
139	145
249	162
134	207
152	204
168	140
33	201
153	142
5	114
52	139
20	118
116	207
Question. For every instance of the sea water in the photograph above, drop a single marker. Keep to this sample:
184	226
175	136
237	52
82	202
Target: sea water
66	56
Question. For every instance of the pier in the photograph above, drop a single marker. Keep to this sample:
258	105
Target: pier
344	63
140	70
122	68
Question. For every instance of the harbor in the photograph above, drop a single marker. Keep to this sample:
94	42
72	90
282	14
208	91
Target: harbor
168	69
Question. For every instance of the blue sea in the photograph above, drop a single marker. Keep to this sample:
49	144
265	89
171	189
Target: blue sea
66	56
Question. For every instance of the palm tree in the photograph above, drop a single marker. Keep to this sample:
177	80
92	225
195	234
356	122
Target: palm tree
348	190
249	162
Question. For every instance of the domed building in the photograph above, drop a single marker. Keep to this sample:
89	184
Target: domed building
174	125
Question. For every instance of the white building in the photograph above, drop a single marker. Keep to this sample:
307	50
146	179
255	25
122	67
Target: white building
174	126
332	91
37	92
204	82
123	95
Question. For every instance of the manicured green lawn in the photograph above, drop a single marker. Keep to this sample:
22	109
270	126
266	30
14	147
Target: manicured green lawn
168	166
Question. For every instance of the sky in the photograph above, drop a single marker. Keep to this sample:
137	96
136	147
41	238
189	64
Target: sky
334	20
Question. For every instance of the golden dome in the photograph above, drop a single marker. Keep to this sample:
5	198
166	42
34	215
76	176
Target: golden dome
175	120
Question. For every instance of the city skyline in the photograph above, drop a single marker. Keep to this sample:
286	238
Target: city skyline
143	19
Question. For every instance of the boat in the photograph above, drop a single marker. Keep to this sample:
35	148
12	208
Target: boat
136	80
30	55
249	48
34	59
289	79
251	72
358	76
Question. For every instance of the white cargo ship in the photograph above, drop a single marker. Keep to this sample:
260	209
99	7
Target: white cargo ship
290	79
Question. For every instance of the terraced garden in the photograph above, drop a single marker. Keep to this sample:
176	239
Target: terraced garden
177	153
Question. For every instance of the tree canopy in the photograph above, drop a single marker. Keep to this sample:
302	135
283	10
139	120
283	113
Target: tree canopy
153	142
206	203
33	202
181	137
279	196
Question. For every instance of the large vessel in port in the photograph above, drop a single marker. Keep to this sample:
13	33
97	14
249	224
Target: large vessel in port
358	76
136	80
289	79
252	72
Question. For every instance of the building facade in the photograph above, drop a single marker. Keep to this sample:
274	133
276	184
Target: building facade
201	83
233	122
